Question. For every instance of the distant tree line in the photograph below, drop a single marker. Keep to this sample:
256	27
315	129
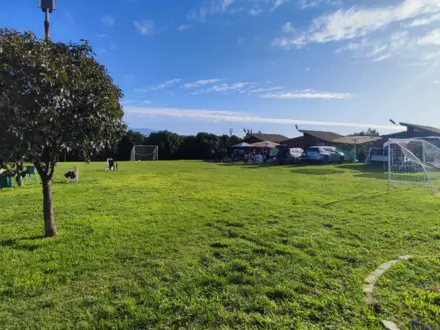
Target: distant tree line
172	146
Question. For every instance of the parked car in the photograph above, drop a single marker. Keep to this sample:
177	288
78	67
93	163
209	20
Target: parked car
288	155
324	155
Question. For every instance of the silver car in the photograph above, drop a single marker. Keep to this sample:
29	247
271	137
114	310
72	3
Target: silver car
324	155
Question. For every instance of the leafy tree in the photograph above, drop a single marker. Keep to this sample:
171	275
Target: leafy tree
362	150
54	97
127	142
207	145
168	143
368	132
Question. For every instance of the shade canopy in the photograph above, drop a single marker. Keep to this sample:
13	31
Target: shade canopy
356	139
242	145
265	144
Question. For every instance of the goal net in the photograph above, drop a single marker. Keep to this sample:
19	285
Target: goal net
144	153
413	161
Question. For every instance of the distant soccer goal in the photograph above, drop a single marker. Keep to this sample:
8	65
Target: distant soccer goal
415	162
144	153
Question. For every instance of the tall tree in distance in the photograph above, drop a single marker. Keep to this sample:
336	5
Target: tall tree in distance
54	97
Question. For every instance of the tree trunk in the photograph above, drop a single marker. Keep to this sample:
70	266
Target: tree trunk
19	167
19	180
50	230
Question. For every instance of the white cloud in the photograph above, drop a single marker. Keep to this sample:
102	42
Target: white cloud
432	38
382	57
108	20
209	8
103	35
436	82
424	21
255	11
288	28
358	21
125	102
182	27
239	87
265	90
129	101
199	83
145	27
398	44
240	117
279	3
229	87
306	94
163	85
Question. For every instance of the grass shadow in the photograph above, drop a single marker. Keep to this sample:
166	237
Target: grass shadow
318	171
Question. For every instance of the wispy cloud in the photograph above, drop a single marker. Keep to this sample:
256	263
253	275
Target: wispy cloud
432	38
424	21
255	11
357	22
240	117
307	94
209	8
126	102
288	28
145	27
202	82
223	88
265	90
279	3
183	27
69	18
108	20
398	44
103	35
166	84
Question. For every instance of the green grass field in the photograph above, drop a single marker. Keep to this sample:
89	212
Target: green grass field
201	245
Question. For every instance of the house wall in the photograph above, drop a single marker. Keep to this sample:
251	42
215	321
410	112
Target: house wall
310	141
410	133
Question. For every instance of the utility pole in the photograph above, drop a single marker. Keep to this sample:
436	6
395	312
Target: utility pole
47	6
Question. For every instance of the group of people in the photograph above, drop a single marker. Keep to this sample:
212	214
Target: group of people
258	158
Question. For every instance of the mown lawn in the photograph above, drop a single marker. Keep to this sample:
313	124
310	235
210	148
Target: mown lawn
200	245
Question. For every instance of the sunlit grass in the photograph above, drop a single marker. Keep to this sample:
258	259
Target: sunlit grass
201	245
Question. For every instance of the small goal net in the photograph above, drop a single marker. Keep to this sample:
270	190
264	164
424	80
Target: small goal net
413	161
140	152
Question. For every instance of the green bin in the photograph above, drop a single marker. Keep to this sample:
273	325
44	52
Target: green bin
5	181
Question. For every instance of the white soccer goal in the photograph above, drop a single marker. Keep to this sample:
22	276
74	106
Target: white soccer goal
413	161
144	153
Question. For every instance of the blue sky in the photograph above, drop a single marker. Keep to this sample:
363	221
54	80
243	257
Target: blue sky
210	65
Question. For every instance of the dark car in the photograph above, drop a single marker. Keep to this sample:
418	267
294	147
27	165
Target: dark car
288	155
324	155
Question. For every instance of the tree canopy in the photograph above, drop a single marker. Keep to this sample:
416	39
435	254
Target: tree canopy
54	97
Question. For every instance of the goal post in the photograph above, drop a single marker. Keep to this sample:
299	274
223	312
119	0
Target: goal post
413	162
144	152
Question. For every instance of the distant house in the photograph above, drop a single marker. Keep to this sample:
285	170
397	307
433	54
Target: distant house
254	138
324	138
413	131
318	138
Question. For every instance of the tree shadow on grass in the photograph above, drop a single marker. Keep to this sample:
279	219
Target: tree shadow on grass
366	171
14	243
